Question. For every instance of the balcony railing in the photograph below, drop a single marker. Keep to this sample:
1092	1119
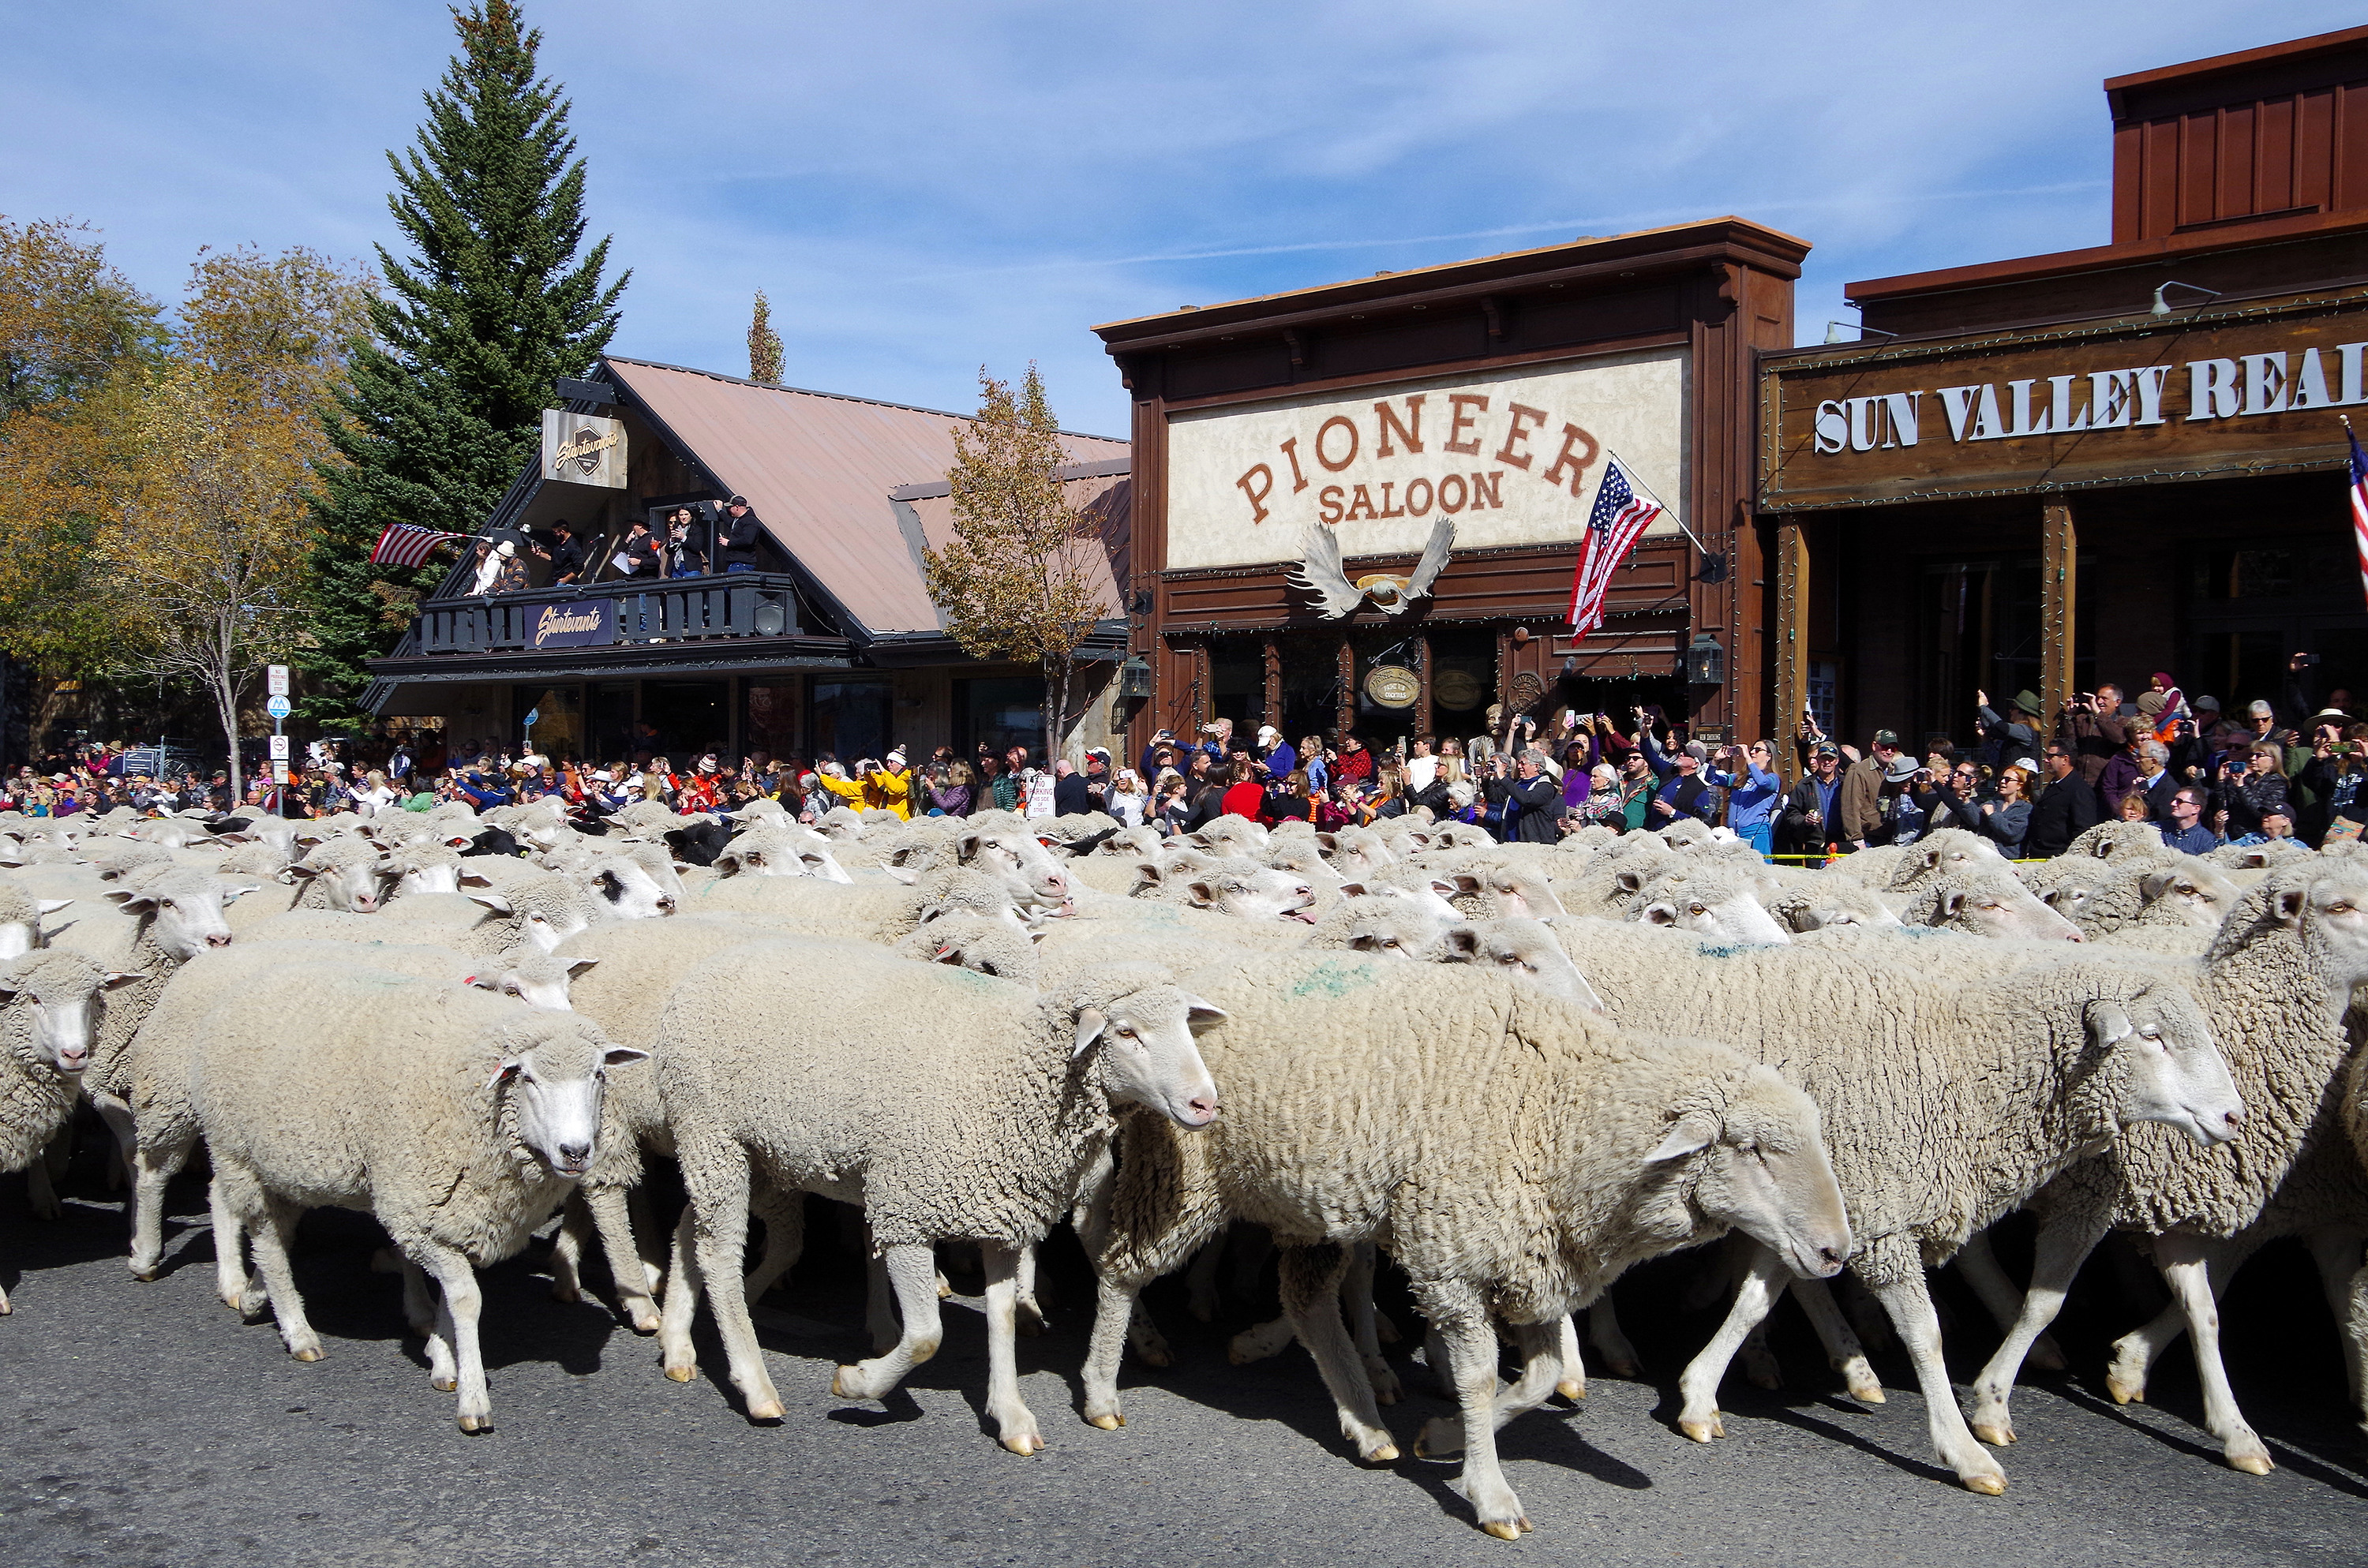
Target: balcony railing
680	609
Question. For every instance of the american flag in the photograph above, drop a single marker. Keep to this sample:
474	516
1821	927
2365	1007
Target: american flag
2359	502
1622	513
403	544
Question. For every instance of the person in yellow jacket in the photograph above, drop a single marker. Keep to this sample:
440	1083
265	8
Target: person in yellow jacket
874	786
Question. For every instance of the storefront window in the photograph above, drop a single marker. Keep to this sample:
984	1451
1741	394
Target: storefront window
1462	679
608	719
850	719
682	719
1237	681
768	717
559	718
1981	633
2251	610
999	712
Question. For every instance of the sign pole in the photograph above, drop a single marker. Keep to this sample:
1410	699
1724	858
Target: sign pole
276	682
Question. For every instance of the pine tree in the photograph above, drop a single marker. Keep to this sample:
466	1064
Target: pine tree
444	404
764	345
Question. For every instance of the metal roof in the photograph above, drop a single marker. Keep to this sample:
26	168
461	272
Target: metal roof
817	469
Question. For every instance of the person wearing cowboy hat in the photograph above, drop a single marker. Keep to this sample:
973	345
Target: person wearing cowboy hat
2013	734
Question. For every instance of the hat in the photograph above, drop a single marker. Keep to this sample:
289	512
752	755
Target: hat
1887	738
896	759
2260	709
2026	764
2332	713
2027	701
1901	770
602	776
2150	704
505	548
2205	704
1698	751
1825	748
737	501
1266	730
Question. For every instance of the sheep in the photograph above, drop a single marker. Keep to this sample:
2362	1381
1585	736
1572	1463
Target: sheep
884	915
540	908
1368	1100
52	1004
780	851
1355	852
1716	901
347	873
2121	841
1034	876
2262	857
457	1119
983	1134
1229	836
1993	904
1232	885
983	945
2102	897
1495	886
20	919
2274	985
1847	909
839	823
1615	875
1956	1078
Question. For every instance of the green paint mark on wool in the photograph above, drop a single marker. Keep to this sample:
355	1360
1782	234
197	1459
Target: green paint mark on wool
1334	979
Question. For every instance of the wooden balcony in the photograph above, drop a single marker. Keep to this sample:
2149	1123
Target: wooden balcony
675	610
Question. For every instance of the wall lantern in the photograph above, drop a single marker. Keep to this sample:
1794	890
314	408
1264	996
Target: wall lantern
1705	661
1135	677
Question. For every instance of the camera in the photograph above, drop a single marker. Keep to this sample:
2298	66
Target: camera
2304	661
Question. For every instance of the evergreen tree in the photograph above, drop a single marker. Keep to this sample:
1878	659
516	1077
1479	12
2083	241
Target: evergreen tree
444	404
764	345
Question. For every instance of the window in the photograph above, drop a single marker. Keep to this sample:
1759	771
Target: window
999	712
850	719
768	717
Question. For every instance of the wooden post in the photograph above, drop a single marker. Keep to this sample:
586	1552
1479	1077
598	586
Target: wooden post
1423	724
1347	714
1792	643
2058	588
1270	687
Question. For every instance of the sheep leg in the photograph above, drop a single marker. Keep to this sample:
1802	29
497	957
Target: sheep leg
784	1215
1015	1423
41	1195
610	1208
457	1311
419	1312
118	1117
1356	1295
880	1305
1761	1368
1031	1316
1537	1345
913	1270
1979	1268
2065	1243
1461	1318
719	1234
268	1221
1911	1307
2356	1335
1201	1277
1844	1354
239	1291
2337	1254
1603	1331
567	1249
1259	1341
160	1155
1756	1290
1574	1370
2186	1262
682	1291
2136	1352
1114	1310
1311	1298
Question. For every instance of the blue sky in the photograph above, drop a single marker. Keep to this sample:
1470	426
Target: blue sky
922	189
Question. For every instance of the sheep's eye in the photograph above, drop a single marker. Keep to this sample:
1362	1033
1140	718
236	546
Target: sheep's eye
1127	1030
1390	941
2151	1034
1698	909
2339	909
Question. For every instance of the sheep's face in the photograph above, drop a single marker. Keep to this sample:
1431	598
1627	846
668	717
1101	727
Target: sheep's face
1231	835
2201	898
183	912
1355	852
1731	915
2071	900
1144	1044
627	891
2001	908
1262	895
1519	893
1140	842
537	979
2158	1052
1841	913
1017	860
1948	853
2330	910
351	882
63	1003
761	855
541	926
982	947
428	870
1524	951
1302	860
556	1088
1759	1166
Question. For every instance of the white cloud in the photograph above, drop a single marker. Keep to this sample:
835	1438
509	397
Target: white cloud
921	188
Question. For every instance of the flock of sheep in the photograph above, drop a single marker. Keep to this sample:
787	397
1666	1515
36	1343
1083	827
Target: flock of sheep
1512	1069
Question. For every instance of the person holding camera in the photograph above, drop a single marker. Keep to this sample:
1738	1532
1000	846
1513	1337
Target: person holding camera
2337	774
2251	785
737	534
682	547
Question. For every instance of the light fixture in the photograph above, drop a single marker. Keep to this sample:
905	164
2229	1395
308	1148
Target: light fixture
2161	306
1834	329
1135	677
1705	661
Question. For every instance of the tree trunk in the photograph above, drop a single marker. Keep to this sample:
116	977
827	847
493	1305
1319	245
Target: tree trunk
225	697
42	713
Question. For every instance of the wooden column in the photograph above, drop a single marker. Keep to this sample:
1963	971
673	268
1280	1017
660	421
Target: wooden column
1792	648
1423	723
2058	589
1347	714
1271	687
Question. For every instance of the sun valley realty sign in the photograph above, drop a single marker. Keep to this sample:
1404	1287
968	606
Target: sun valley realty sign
2250	388
1513	458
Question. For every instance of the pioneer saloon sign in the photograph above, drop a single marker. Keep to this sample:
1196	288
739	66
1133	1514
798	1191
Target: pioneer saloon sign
2248	389
1512	458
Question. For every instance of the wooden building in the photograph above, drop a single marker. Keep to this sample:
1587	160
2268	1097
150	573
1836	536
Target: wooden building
1489	394
830	644
2049	472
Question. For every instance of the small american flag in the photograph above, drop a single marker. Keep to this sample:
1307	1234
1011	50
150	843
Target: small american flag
403	544
2359	502
1622	513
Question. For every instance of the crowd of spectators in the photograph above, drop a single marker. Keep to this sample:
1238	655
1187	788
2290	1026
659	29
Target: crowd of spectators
2203	776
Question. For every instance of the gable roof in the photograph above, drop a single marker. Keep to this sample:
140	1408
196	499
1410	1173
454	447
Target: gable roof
817	469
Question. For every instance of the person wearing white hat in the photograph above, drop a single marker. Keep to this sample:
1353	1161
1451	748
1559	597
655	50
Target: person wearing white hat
1275	752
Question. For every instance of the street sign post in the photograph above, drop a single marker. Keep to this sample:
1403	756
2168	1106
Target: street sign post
275	682
278	708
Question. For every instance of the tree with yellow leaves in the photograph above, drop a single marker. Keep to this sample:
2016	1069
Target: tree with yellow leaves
1014	583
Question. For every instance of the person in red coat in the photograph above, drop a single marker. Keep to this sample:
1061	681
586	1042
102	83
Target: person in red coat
1244	796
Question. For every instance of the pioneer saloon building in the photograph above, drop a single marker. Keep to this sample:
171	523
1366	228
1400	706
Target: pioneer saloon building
1298	454
829	644
2063	469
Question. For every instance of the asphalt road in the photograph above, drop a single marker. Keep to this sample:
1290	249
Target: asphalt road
146	1425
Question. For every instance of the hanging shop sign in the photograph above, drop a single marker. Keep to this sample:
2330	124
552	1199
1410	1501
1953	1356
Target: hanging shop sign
583	624
1512	458
583	448
2250	388
1393	686
1456	690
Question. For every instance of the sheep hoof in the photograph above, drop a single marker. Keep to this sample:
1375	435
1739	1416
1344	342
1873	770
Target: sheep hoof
1703	1431
1027	1325
2124	1393
2046	1355
565	1292
1996	1436
1154	1356
649	1324
1384	1330
1572	1388
1987	1485
1106	1423
1026	1445
146	1276
1203	1312
765	1410
1764	1376
1503	1530
1387	1454
2252	1463
684	1374
443	1383
474	1424
5	1308
945	1289
309	1353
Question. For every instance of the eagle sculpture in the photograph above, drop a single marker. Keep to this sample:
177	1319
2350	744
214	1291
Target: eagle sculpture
1319	573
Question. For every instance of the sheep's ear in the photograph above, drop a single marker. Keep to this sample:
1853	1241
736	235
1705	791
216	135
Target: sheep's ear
1354	890
131	902
473	879
1932	858
237	891
930	913
1202	894
51	905
623	1056
967	844
1466	882
491	900
950	953
1949	902
230	839
1447	889
1364	941
1327	841
2107	1025
1201	1014
2154	885
116	979
1660	912
508	1069
1462	940
311	837
1629	880
903	874
2286	906
1691	1132
1090	1024
305	873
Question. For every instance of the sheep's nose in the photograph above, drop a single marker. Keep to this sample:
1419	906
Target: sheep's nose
666	904
219	939
577	1154
1830	1257
73	1061
366	902
2233	1120
2074	936
1202	1106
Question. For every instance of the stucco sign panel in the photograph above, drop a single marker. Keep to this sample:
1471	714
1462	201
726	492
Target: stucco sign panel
1513	458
